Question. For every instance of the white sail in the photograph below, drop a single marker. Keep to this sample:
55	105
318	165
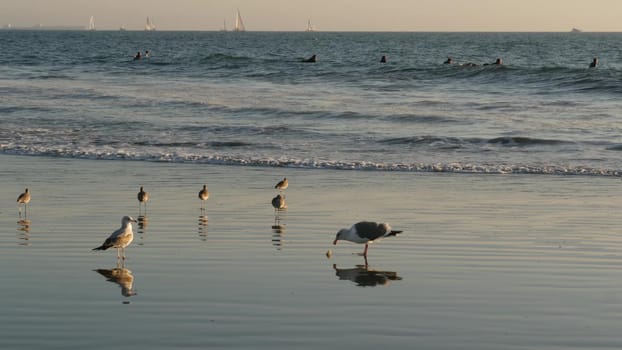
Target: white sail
224	26
239	24
91	24
150	26
310	28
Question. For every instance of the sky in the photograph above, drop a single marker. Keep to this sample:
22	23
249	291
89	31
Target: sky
325	15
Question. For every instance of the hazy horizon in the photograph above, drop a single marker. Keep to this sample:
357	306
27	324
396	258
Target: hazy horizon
325	15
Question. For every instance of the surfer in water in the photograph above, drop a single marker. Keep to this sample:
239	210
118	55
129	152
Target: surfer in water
449	61
383	59
137	56
498	62
594	63
147	53
311	59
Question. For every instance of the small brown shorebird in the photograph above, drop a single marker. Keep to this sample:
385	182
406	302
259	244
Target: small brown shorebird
282	185
143	197
24	199
203	196
278	202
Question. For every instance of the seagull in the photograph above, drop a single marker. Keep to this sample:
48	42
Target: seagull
278	202
203	196
120	238
365	232
24	199
282	185
143	197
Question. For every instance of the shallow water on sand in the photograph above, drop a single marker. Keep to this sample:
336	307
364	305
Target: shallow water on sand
485	261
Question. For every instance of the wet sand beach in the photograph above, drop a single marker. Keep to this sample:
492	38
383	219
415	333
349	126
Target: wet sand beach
485	261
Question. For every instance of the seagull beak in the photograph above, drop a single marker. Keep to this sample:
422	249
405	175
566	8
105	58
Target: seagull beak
335	241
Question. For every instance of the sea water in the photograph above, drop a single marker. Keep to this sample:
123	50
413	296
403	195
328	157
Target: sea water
248	99
513	261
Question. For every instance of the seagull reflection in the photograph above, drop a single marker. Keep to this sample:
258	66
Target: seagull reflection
23	229
142	222
364	276
121	276
203	226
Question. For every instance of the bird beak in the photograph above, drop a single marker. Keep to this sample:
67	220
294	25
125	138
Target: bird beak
335	241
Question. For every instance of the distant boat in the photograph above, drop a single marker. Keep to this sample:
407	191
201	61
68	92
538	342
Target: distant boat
122	29
149	26
576	30
310	28
224	26
239	24
91	24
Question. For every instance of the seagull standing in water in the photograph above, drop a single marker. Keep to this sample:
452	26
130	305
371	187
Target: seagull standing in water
203	196
282	185
143	197
365	232
120	238
24	199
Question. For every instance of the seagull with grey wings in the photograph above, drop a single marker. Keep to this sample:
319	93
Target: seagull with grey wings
365	232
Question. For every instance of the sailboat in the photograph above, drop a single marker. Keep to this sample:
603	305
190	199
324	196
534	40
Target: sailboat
150	27
91	24
310	28
239	25
224	26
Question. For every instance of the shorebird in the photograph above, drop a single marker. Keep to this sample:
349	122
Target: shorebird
203	196
365	232
143	197
120	238
278	202
282	185
24	199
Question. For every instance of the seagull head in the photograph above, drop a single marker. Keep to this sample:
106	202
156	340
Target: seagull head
127	219
340	235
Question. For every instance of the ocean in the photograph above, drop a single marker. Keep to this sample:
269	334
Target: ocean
503	179
248	99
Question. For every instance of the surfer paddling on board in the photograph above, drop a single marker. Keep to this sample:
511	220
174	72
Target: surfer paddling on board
594	63
311	59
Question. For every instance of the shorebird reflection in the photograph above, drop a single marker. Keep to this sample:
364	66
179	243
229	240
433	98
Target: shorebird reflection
364	276
203	226
121	276
278	230
23	229
142	222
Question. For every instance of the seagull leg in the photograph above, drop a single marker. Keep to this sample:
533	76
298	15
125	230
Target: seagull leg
365	251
